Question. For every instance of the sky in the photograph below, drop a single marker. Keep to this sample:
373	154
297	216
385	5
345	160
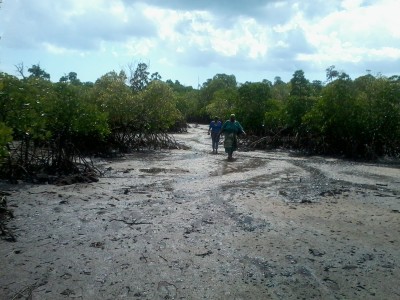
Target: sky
193	40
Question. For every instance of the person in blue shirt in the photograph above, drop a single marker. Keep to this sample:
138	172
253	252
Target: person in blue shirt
215	128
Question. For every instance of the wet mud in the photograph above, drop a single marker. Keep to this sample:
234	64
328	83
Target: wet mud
189	224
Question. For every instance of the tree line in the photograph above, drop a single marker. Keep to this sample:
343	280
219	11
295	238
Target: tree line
357	118
48	123
47	126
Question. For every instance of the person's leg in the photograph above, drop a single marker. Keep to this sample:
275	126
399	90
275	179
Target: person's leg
216	143
213	141
230	152
234	147
228	143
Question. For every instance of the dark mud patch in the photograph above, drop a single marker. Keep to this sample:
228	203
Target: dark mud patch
238	166
5	215
249	223
283	280
162	170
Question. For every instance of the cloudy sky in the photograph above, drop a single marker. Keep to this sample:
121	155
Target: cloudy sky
192	40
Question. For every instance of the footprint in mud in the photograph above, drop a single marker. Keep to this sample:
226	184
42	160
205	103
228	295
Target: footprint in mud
153	170
248	223
166	290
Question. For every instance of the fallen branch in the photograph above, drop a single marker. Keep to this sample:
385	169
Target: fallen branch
163	258
266	138
21	294
134	222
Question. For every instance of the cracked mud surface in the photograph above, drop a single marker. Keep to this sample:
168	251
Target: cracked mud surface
187	224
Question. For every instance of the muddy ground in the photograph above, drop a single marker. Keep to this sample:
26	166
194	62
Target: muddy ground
187	224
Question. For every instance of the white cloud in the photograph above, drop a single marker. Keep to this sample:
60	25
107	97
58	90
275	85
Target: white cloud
228	35
352	35
351	4
139	47
200	29
165	21
55	50
389	52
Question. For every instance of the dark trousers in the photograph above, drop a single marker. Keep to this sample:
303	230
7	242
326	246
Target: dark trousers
215	140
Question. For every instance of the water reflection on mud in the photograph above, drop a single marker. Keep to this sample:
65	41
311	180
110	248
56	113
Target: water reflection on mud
236	166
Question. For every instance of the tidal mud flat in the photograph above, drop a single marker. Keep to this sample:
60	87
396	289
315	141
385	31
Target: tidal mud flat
188	224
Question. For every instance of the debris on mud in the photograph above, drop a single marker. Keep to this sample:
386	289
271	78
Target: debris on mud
5	215
66	179
87	177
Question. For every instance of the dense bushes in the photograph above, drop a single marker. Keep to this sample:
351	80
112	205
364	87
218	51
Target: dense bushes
46	126
136	119
5	138
356	118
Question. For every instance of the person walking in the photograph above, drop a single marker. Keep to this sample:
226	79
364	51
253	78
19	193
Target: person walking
231	129
215	128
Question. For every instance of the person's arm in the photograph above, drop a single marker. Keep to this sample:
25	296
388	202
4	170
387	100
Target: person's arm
221	130
241	128
243	132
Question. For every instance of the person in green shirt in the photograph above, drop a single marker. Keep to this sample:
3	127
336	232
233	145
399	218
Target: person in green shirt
231	129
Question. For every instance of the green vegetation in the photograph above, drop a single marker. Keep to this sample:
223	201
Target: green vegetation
357	118
47	125
51	127
5	138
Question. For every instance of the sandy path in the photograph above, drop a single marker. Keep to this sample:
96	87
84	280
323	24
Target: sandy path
187	224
